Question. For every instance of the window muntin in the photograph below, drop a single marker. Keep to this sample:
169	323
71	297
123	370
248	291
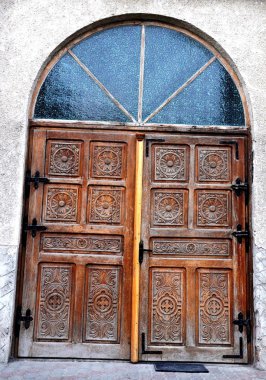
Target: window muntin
141	74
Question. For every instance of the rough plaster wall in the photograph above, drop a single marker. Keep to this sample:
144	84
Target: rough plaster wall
32	29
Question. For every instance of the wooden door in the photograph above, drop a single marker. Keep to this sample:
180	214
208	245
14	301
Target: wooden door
77	280
193	282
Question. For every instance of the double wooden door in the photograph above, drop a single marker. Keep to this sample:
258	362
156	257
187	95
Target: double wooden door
78	272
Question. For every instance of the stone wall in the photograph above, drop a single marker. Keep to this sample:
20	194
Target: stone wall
32	29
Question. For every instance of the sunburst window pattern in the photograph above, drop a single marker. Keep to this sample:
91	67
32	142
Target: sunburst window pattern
142	75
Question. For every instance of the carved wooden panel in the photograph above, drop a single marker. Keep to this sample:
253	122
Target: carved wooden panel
213	208
168	208
61	203
214	307
170	163
214	164
103	304
64	158
105	205
55	302
166	306
108	160
191	247
106	244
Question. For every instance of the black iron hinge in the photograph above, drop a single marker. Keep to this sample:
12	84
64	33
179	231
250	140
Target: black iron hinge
241	323
240	234
240	355
239	186
142	251
148	142
34	227
26	319
143	347
36	179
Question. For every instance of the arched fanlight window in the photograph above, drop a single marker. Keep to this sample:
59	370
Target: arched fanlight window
141	74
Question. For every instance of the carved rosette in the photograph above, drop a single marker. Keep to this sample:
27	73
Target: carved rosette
107	161
213	209
54	303
168	208
64	159
170	163
191	247
166	318
214	308
84	243
214	164
61	204
103	319
105	206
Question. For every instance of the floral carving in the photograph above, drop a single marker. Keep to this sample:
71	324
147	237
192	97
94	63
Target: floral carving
64	159
107	161
191	247
214	313
213	209
166	323
213	165
84	243
62	204
170	163
168	208
103	317
54	303
105	206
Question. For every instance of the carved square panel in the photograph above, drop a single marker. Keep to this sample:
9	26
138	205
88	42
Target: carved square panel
170	163
214	306
167	306
54	302
213	208
61	203
63	158
214	164
108	160
105	205
103	299
168	207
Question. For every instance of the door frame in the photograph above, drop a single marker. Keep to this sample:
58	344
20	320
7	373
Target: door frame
159	129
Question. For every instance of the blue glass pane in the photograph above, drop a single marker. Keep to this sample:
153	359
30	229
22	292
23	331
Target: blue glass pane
171	58
113	56
69	93
211	99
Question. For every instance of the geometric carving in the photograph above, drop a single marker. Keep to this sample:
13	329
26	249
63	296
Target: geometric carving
166	313
107	160
61	204
214	164
82	243
105	205
214	312
170	163
103	306
64	159
55	302
191	247
213	208
168	208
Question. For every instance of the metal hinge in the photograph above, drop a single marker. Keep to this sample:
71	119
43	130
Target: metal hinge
241	322
240	355
26	319
36	179
239	186
143	347
34	227
148	141
142	251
